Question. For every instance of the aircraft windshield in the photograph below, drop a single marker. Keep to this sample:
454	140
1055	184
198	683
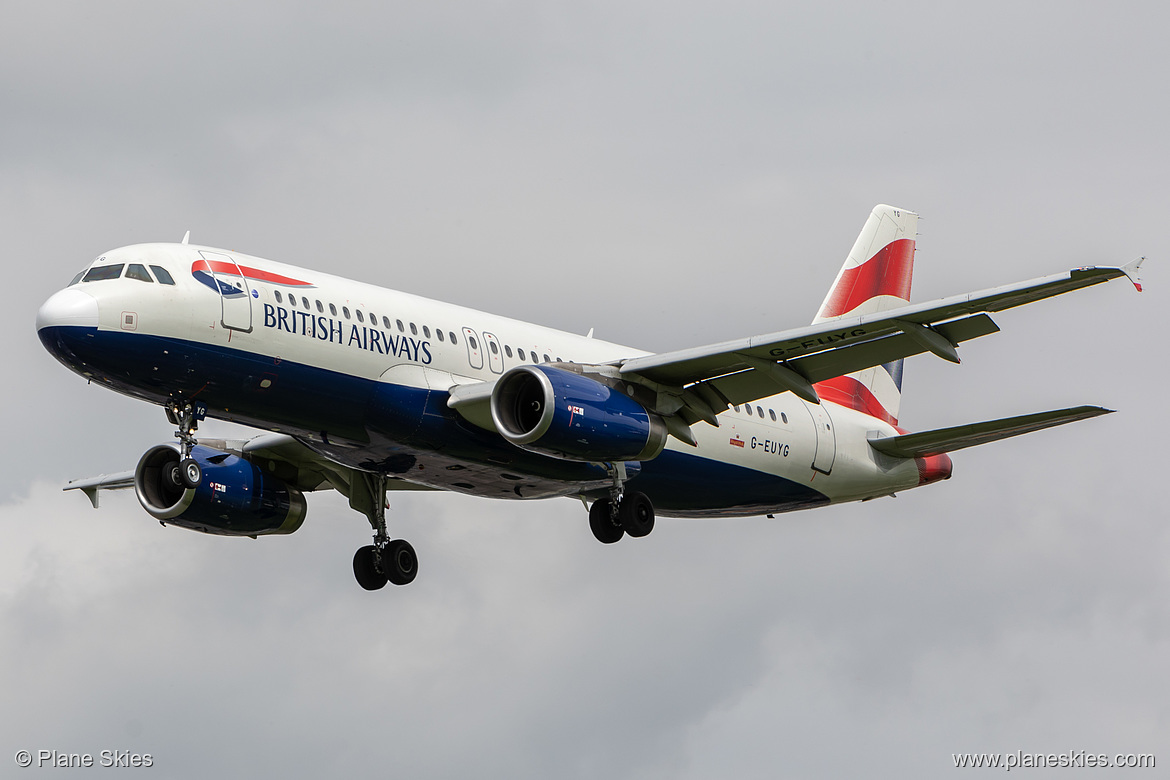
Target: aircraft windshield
162	275
135	271
138	271
102	272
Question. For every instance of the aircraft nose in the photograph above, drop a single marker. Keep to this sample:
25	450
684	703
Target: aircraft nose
68	307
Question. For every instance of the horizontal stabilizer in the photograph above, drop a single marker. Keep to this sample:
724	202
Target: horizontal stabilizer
918	445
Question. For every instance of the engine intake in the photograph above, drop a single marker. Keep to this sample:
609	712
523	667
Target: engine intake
234	497
567	415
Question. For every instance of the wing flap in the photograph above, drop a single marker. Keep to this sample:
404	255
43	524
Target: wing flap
918	445
745	386
310	470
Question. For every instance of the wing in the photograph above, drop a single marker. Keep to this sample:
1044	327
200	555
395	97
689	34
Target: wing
705	379
93	486
284	456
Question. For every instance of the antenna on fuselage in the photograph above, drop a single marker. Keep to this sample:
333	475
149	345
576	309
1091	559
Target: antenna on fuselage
589	335
187	236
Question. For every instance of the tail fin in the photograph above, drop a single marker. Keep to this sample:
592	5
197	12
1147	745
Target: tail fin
875	277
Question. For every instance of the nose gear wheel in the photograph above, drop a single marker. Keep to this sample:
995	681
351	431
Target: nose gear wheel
186	415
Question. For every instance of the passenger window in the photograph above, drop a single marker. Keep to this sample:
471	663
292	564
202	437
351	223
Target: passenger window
279	299
546	358
760	412
507	350
292	301
748	408
471	341
494	348
736	408
305	301
358	312
385	322
784	417
453	339
162	274
426	332
401	327
320	308
345	311
103	272
520	352
413	329
773	413
439	333
333	310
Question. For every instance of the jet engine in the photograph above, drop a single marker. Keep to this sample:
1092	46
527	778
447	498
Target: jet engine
232	498
566	415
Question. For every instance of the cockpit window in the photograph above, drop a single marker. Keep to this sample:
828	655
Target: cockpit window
103	272
138	271
163	276
77	278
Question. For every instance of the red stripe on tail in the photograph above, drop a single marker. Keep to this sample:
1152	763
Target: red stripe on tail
886	273
847	391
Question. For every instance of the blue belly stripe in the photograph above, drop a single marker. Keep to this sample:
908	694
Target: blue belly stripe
377	425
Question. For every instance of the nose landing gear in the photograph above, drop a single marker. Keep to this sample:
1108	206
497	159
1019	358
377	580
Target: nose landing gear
187	472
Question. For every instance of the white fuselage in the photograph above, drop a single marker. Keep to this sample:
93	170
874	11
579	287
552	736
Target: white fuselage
267	354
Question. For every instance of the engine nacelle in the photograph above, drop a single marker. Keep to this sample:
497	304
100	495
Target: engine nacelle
557	412
234	497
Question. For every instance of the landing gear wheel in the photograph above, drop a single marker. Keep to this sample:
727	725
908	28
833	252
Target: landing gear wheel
365	569
173	475
399	562
601	522
636	514
190	473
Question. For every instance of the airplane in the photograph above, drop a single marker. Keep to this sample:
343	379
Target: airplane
367	390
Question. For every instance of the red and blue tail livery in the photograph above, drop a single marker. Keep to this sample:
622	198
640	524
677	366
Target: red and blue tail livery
364	390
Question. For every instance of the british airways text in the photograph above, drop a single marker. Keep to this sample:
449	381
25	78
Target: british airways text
328	329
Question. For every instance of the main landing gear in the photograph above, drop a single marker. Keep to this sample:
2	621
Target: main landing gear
185	472
622	512
386	560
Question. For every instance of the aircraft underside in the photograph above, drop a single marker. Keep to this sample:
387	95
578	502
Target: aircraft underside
404	432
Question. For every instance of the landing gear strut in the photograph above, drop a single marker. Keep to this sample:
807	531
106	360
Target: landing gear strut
386	560
622	513
187	473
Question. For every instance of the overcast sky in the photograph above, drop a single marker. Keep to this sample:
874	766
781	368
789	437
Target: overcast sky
670	175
